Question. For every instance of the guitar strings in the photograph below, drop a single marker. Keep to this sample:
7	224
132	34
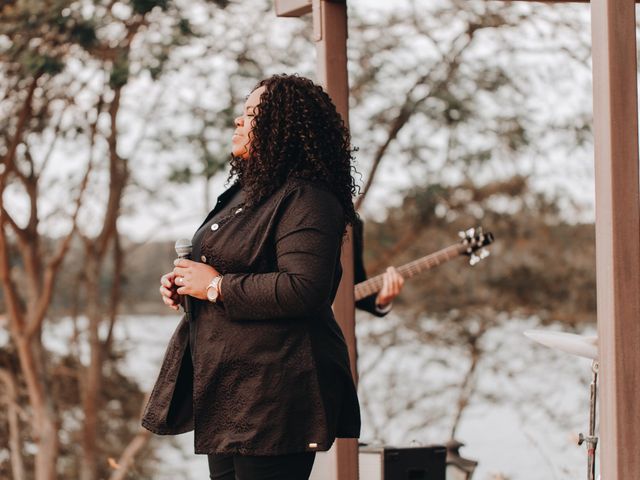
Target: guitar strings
372	285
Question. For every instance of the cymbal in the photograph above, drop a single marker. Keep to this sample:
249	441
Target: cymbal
580	345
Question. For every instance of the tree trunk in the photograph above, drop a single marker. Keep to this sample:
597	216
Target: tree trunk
15	446
92	383
44	420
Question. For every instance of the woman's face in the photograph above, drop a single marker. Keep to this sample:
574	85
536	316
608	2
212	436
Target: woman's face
241	141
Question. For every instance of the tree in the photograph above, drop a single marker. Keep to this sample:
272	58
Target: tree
65	66
453	117
450	93
222	67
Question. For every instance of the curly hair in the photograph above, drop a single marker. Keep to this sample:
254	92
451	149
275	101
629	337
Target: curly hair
297	133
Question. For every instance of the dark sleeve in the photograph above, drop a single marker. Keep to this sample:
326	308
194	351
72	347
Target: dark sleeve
368	304
308	236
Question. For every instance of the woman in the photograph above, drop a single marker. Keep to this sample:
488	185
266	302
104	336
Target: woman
261	372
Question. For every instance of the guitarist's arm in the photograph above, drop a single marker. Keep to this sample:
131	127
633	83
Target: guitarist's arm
380	304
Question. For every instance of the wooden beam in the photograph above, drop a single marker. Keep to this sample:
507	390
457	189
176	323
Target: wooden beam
615	112
292	8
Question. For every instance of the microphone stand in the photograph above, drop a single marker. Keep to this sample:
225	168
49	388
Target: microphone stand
591	440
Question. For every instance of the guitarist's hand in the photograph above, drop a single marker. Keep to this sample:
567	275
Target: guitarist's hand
391	285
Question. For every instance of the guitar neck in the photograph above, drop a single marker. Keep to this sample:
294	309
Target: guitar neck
408	270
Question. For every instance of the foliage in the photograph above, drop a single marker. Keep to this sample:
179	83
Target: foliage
145	6
122	401
221	68
522	277
453	95
66	67
468	131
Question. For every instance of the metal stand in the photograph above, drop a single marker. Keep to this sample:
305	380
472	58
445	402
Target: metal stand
583	346
591	440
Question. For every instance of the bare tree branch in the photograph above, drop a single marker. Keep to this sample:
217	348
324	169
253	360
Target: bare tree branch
408	108
14	307
118	174
52	268
125	462
467	386
20	232
116	290
15	448
56	134
146	121
23	118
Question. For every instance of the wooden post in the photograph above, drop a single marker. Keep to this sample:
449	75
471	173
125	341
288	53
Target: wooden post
615	108
330	35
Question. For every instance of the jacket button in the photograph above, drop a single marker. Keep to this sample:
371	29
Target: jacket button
203	258
215	226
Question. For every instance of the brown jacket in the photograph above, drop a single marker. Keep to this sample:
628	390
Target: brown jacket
269	370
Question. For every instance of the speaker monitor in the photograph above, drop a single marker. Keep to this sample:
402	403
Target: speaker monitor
411	463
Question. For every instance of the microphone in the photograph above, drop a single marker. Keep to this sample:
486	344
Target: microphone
183	250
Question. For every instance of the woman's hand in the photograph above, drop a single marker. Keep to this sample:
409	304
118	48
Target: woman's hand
169	291
193	278
391	285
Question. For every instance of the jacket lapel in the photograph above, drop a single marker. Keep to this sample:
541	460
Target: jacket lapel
221	201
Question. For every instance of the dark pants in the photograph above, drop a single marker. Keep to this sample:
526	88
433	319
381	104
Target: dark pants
295	466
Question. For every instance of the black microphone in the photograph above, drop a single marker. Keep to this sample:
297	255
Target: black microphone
183	250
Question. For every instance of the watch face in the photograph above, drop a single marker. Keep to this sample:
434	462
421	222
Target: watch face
212	294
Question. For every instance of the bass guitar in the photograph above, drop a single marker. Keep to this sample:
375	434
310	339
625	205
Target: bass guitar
472	243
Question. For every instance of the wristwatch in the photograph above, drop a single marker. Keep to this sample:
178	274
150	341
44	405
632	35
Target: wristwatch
213	289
